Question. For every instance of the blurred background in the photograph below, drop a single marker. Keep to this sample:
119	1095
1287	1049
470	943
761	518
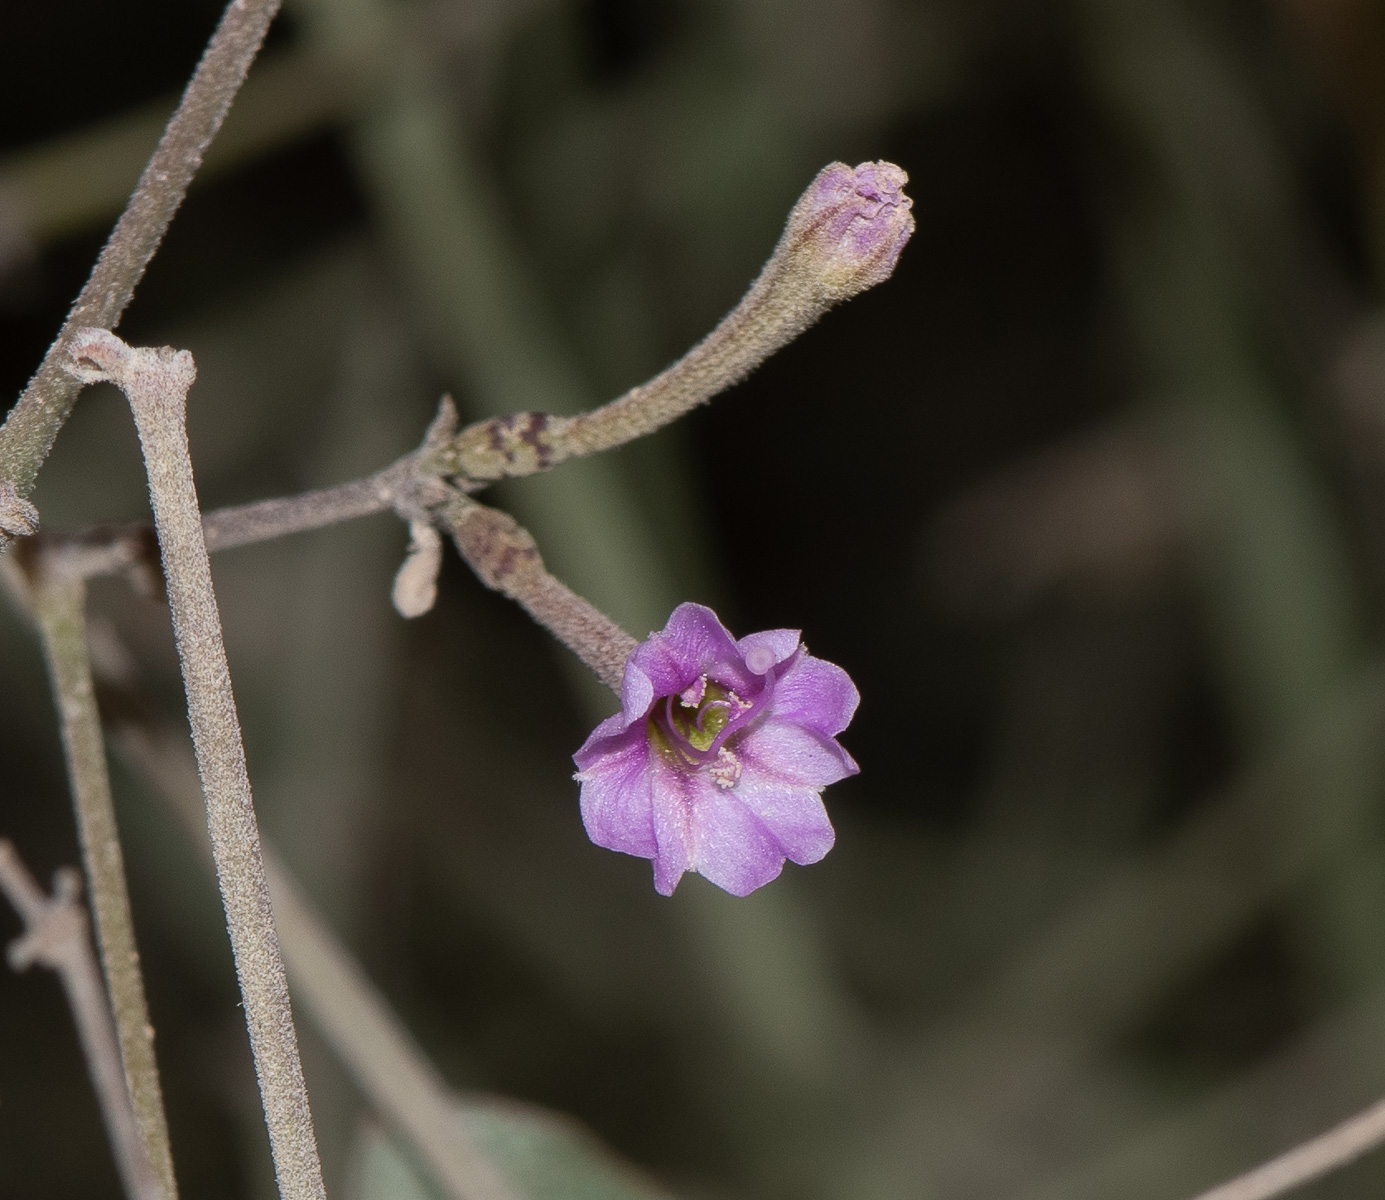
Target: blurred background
1089	499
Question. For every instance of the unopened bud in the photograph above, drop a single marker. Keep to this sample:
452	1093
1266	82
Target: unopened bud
848	228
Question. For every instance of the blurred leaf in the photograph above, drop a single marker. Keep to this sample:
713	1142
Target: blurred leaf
545	1155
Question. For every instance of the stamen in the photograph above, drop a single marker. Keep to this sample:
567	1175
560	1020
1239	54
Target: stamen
726	770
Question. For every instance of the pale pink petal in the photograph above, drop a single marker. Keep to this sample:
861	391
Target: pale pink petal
817	694
600	741
792	754
794	816
693	643
673	833
617	799
731	846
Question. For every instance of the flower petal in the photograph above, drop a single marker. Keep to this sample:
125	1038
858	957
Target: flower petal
617	797
787	753
780	642
795	816
693	643
672	824
731	846
817	694
599	741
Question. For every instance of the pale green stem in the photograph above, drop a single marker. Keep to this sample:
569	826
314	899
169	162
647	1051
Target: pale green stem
59	603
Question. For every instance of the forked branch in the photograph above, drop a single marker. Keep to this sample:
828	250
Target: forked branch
55	936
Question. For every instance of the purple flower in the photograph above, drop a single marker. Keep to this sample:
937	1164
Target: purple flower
718	757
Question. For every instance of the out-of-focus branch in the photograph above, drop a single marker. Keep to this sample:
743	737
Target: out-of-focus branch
33	423
156	383
59	602
367	1035
55	935
69	183
1312	1160
505	557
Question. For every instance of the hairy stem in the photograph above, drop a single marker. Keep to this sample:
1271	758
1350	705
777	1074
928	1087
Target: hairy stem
505	557
55	935
59	603
156	383
265	519
33	423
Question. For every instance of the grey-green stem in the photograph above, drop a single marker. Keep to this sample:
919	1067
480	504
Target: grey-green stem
55	935
59	595
156	383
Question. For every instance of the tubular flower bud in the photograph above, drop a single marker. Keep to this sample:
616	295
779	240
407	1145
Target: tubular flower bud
718	757
849	227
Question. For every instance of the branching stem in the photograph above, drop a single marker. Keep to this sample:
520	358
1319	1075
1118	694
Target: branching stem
55	935
156	383
59	597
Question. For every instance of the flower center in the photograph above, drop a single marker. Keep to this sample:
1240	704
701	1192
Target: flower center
694	726
699	723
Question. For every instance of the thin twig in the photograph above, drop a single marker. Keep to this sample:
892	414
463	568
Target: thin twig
377	1049
156	383
402	486
59	600
263	520
1313	1159
33	423
55	935
505	557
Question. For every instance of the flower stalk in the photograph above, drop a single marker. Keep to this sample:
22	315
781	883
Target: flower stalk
156	382
505	557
